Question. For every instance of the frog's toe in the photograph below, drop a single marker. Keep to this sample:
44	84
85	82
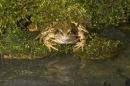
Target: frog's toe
41	38
38	36
78	48
54	48
79	45
49	45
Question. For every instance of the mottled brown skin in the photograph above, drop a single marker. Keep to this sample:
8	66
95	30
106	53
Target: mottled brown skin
64	32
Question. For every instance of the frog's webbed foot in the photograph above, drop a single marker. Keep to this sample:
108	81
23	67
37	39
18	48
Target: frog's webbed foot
48	41
80	44
50	45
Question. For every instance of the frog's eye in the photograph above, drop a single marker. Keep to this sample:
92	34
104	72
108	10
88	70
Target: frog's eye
58	31
72	31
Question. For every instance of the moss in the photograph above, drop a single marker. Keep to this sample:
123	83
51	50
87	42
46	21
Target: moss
19	44
100	48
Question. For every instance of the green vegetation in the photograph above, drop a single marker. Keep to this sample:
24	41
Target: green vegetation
89	12
16	43
100	48
20	44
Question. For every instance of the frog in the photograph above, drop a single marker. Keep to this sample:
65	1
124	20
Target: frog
64	32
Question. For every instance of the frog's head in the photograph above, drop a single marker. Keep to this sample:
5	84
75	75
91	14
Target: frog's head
65	33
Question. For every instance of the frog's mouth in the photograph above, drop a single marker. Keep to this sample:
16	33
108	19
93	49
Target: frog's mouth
66	39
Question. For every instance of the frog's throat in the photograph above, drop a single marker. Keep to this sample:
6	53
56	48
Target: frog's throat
66	40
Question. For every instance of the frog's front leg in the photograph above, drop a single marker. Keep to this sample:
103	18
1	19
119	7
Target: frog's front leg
82	40
48	41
